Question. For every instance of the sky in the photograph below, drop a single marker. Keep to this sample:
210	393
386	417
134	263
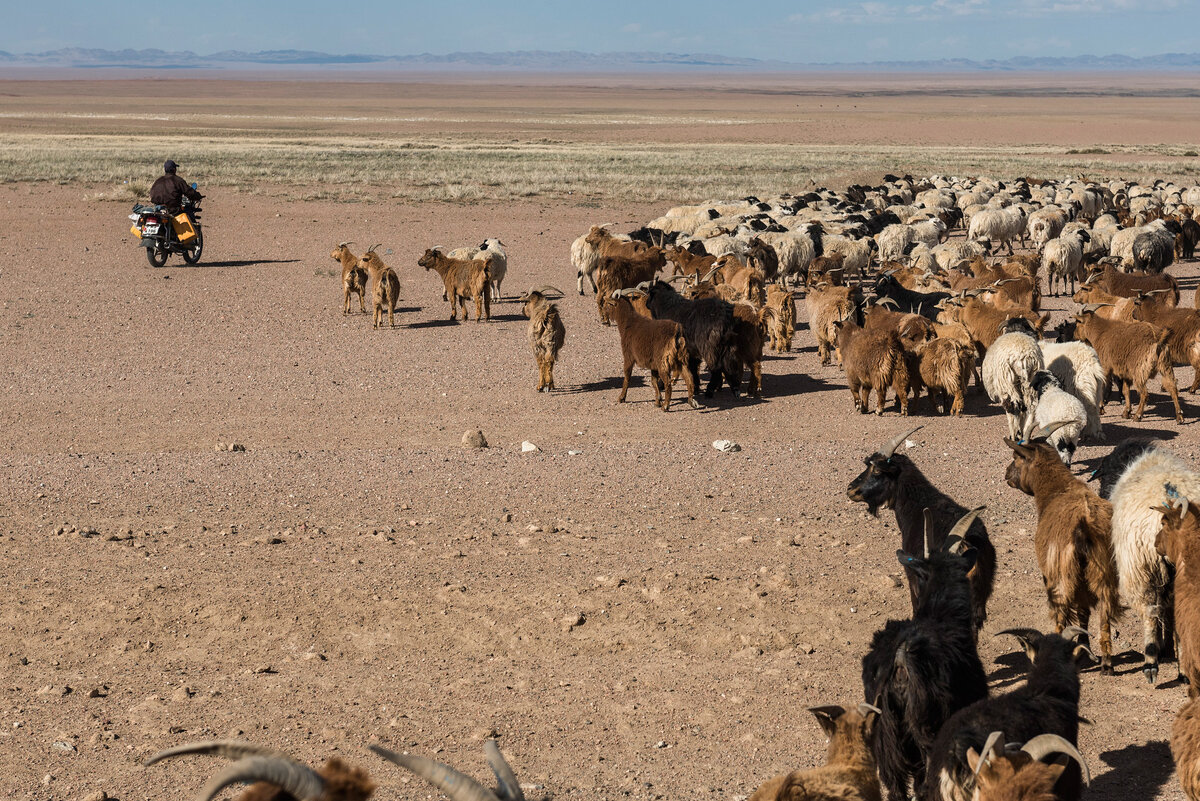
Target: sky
877	30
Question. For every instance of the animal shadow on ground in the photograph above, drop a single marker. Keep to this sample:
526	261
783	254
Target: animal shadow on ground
440	323
1014	668
1116	432
779	386
507	318
1128	663
234	263
1137	771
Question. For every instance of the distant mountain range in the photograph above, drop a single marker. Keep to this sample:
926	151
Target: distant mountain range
566	61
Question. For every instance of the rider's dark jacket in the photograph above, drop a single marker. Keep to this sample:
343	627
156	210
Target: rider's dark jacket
169	191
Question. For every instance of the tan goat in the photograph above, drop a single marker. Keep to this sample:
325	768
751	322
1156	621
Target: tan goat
849	770
354	277
386	290
464	279
546	332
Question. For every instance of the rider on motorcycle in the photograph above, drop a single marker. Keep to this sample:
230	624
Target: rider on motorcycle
169	190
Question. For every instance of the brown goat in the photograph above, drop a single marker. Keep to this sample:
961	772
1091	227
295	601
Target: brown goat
828	268
1019	774
625	272
1185	748
748	339
746	281
1110	307
943	367
275	777
984	321
1184	328
849	770
687	263
546	332
826	304
463	278
1179	541
654	345
354	277
1127	285
873	360
1131	352
386	290
779	315
1073	540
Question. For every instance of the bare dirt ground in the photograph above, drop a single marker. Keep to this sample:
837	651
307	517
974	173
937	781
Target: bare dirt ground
633	613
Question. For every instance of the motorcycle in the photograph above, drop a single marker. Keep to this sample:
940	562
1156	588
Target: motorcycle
154	227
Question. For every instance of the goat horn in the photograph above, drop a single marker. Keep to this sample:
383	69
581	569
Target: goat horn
709	275
675	278
509	788
1090	308
890	446
927	527
301	781
229	749
347	242
1045	431
986	753
886	302
1073	632
1046	744
458	786
548	288
964	523
864	708
1026	636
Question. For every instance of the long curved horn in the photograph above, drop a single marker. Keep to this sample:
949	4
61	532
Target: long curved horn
548	288
986	753
347	242
1090	308
229	749
890	446
372	248
1045	431
458	786
927	528
1074	632
964	523
864	708
300	781
709	274
509	788
1044	745
886	302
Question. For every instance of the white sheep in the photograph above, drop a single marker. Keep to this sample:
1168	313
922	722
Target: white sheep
492	250
1062	259
1078	370
856	253
893	242
1056	405
1122	241
1008	369
1045	224
950	254
795	249
1001	226
584	258
1145	578
931	232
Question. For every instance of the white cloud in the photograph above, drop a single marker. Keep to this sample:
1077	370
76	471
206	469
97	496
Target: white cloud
633	27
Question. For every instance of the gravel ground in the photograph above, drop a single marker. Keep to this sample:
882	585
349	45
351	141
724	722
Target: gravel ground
634	614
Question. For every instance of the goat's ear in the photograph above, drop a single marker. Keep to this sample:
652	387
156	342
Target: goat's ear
827	716
971	556
973	760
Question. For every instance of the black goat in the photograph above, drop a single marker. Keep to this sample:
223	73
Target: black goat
708	327
654	236
1048	703
919	672
892	481
922	303
1114	465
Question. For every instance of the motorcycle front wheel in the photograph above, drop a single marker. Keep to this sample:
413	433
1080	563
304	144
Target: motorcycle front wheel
156	256
192	254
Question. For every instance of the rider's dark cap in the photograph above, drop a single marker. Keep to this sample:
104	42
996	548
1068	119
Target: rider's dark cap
169	166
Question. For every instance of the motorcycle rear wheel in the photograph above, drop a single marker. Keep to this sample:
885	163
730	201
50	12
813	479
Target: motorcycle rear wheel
192	254
156	256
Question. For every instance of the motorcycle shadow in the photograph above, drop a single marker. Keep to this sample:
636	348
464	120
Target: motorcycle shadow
234	263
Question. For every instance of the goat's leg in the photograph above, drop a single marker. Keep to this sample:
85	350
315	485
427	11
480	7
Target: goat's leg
453	304
654	382
487	307
362	298
691	387
479	305
346	306
880	398
549	374
1168	383
625	385
1128	403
